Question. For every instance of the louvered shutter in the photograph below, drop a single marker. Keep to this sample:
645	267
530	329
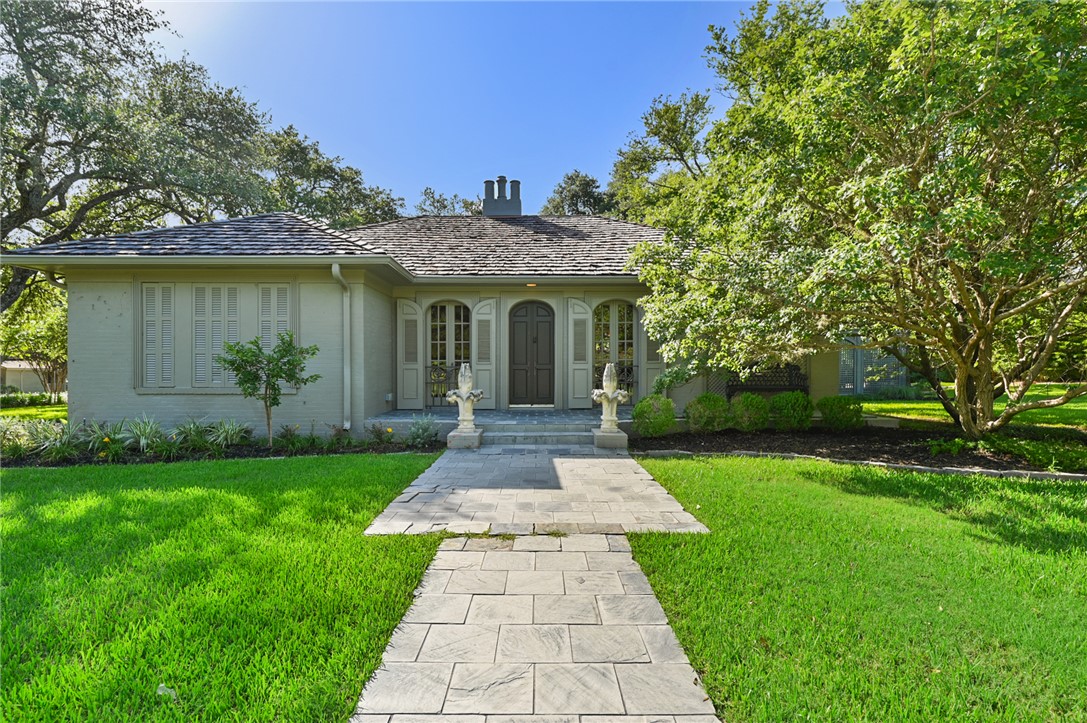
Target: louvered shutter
275	317
158	335
215	321
484	319
409	379
579	315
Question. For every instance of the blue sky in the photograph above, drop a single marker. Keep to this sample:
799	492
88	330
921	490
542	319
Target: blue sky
449	94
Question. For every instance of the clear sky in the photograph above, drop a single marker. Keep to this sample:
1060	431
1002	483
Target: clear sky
449	94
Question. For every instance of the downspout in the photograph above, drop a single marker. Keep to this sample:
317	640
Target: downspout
347	391
51	277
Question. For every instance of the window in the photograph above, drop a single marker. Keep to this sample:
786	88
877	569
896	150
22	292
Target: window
214	322
157	303
450	346
613	341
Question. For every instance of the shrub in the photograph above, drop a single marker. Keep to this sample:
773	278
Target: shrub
54	441
791	410
25	399
142	434
192	436
901	392
228	433
381	435
750	412
841	413
654	416
707	413
422	433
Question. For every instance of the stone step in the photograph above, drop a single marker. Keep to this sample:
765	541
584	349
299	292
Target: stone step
540	438
533	428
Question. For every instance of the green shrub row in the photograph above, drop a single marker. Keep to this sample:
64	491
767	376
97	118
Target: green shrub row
26	399
143	439
655	415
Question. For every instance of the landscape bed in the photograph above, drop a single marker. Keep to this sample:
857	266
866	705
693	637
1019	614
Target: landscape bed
245	587
853	593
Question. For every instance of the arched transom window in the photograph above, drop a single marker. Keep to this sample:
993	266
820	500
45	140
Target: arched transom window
450	346
613	341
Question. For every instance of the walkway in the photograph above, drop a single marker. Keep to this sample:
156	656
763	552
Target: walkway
529	490
535	628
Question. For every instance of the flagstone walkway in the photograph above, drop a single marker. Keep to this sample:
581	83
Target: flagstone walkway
537	628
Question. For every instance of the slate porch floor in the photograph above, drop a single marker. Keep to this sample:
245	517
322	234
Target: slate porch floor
534	489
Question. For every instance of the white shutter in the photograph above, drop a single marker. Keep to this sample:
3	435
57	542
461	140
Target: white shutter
158	335
579	317
652	366
484	319
215	321
275	316
409	380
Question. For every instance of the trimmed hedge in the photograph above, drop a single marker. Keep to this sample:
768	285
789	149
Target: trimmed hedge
750	412
791	411
654	416
841	413
708	412
26	399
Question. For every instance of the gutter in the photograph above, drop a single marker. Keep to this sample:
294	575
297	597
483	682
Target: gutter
347	391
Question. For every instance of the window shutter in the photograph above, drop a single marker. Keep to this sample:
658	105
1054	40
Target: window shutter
581	346
484	341
411	341
215	321
275	317
158	335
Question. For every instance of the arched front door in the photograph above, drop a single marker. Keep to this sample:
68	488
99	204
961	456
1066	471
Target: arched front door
532	354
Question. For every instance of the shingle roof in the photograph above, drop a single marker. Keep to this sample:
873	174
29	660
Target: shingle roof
268	234
509	246
424	245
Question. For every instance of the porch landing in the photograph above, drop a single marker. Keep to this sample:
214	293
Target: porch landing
511	427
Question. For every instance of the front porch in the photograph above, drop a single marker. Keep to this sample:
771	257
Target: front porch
510	427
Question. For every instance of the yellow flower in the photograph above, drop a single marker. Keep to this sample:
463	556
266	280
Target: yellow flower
389	430
101	454
105	439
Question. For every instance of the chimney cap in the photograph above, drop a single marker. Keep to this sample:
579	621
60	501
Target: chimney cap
501	205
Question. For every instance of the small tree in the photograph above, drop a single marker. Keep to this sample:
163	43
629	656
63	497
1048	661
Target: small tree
40	337
260	373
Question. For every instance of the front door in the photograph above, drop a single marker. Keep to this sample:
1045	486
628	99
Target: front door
532	354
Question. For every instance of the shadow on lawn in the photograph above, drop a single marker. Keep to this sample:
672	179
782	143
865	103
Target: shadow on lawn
1041	515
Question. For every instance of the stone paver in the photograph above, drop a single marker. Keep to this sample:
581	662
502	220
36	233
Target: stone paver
526	644
540	490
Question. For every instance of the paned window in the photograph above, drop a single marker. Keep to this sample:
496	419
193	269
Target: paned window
613	341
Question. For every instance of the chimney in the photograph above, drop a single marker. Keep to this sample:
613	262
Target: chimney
500	205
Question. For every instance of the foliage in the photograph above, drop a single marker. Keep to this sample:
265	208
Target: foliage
228	433
25	399
672	377
297	176
655	170
176	562
142	434
707	412
261	373
578	194
40	337
912	173
381	435
791	410
847	588
422	433
433	203
750	412
841	413
654	415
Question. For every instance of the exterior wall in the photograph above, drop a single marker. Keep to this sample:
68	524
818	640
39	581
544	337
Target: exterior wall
104	318
25	380
375	376
823	375
507	297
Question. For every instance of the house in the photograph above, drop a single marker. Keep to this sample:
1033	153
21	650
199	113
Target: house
20	375
537	304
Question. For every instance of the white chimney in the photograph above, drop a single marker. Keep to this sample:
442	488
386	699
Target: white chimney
500	205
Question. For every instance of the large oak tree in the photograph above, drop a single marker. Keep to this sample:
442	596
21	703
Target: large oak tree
912	172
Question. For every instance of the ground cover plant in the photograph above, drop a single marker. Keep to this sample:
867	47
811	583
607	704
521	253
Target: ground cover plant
244	586
850	593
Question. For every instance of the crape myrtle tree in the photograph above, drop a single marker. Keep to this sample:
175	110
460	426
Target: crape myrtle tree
910	172
35	330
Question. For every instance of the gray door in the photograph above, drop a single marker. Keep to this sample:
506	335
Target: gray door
532	354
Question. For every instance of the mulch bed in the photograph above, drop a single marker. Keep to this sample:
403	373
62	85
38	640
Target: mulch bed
871	444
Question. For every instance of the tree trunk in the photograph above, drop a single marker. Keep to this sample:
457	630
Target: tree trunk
20	279
268	421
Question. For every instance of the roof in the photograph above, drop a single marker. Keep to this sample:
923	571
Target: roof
509	245
16	364
457	246
267	234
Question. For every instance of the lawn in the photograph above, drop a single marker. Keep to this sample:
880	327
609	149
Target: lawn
48	411
1070	414
837	592
245	586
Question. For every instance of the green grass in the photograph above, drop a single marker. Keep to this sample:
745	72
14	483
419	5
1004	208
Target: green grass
48	411
838	592
247	586
1070	414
